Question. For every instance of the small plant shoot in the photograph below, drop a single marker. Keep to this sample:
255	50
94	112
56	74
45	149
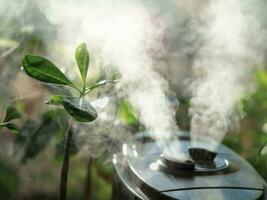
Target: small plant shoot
83	59
75	105
12	113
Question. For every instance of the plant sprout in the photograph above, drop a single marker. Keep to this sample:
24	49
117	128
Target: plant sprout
76	106
12	113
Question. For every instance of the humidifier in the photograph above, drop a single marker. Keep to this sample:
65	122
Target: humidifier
145	170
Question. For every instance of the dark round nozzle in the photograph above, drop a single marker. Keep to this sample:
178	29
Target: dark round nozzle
201	155
176	163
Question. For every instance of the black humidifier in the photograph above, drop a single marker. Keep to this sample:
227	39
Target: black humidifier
144	170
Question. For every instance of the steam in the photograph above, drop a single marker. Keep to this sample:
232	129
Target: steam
230	49
125	35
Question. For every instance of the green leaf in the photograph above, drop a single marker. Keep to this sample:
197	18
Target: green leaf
114	78
12	113
35	137
82	59
55	100
82	111
96	85
12	127
127	114
58	90
43	70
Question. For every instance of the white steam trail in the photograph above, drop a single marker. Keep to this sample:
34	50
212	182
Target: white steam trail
126	35
231	47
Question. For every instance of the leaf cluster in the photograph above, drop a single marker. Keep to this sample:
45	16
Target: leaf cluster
12	113
34	135
76	106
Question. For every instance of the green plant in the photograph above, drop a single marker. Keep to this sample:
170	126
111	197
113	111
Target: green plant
35	135
71	96
250	139
12	113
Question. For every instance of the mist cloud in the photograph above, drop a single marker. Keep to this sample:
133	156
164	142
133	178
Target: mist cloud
230	50
126	35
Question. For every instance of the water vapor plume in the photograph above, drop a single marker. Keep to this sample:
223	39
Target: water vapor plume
127	35
228	52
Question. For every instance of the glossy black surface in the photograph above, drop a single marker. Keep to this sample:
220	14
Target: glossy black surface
140	170
214	194
202	156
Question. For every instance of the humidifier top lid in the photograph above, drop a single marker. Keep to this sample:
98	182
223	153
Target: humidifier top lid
145	167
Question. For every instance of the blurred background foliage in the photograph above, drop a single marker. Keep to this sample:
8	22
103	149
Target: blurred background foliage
250	138
30	160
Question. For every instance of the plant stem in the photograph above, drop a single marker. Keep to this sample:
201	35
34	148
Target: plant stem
88	179
76	87
65	165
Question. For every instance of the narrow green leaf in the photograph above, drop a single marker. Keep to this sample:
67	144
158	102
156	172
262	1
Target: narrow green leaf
81	111
96	85
82	59
43	70
55	100
112	79
12	127
12	113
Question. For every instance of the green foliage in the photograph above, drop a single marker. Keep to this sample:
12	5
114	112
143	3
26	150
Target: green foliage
79	109
9	181
12	113
261	165
251	128
127	113
73	103
75	107
25	132
182	117
55	100
102	187
43	70
12	127
261	78
82	59
58	90
96	85
35	136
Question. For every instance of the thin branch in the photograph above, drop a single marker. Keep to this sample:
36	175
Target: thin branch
65	165
88	179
